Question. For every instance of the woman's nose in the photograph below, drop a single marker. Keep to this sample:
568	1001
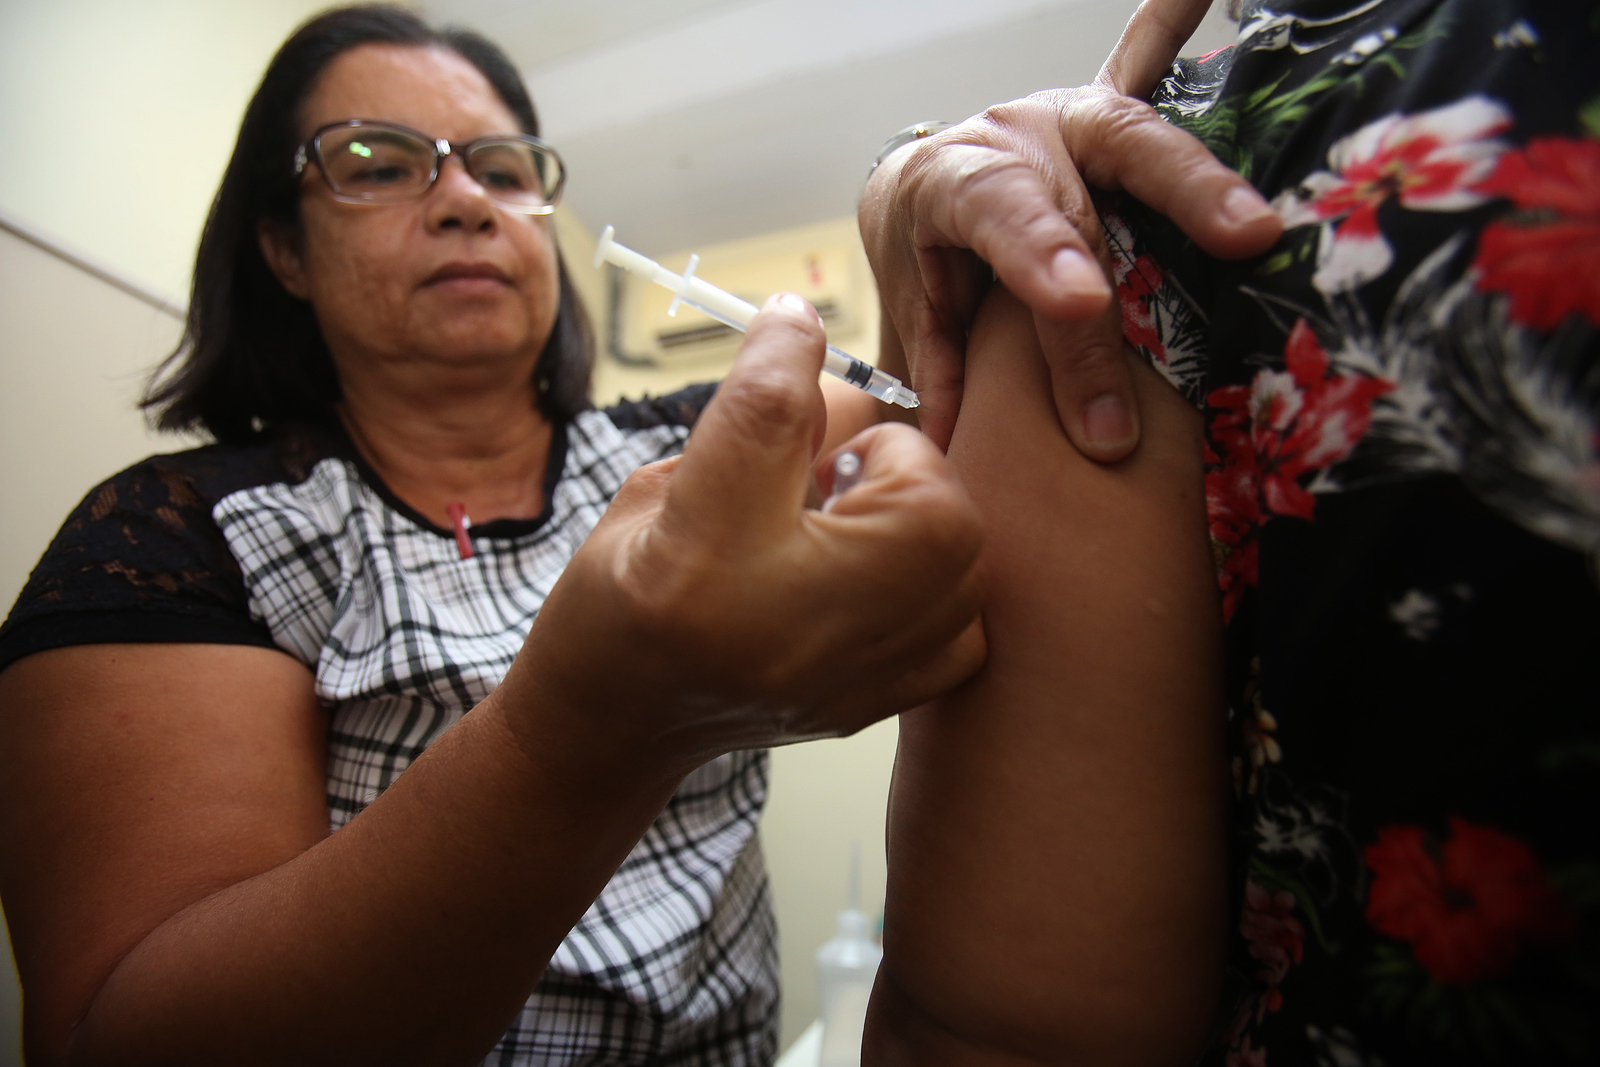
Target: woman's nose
457	200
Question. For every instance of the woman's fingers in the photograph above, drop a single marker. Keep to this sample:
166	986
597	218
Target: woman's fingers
902	473
731	593
898	691
1091	383
939	372
747	467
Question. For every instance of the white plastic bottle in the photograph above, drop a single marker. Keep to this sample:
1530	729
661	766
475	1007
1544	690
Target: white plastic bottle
847	965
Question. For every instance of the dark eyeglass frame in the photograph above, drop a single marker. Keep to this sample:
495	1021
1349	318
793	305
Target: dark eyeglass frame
311	151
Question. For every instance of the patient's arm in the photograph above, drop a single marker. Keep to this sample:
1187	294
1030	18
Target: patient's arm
1055	841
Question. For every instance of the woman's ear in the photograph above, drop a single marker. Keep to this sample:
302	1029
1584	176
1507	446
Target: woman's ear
282	256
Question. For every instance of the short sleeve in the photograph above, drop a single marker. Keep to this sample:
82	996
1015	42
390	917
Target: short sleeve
140	560
681	408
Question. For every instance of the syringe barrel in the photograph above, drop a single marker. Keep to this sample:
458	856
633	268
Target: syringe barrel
715	302
718	303
869	379
725	307
842	364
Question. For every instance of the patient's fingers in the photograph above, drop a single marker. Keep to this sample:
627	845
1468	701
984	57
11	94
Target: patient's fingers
997	203
1031	233
1121	142
1149	44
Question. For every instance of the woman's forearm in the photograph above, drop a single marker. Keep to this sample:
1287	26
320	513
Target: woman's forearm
413	935
1055	848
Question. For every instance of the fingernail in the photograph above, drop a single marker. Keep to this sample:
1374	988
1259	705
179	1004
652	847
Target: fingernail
1106	420
796	302
1073	271
1243	204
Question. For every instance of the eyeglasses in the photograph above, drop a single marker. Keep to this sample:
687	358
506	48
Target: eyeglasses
380	163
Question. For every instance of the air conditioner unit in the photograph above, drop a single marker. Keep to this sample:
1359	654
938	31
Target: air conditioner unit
830	276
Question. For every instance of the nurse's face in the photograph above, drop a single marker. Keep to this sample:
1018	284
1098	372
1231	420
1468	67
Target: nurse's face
450	282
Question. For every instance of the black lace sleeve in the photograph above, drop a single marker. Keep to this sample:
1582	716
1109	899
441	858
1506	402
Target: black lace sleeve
141	560
682	408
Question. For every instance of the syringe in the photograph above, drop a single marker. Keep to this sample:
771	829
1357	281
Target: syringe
732	311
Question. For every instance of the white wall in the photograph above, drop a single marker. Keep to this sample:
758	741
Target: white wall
119	118
825	796
74	353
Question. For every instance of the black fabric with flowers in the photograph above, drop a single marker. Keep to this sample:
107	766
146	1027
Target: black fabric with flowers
1402	402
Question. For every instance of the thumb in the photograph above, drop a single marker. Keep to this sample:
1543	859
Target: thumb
747	467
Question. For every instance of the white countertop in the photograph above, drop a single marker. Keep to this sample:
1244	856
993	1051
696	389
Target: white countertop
806	1050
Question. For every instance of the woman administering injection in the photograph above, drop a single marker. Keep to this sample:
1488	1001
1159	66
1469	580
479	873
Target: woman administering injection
229	653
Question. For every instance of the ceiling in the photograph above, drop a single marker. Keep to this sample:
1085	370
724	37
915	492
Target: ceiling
685	123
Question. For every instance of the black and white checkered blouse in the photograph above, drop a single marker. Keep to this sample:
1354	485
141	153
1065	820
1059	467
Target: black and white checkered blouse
295	544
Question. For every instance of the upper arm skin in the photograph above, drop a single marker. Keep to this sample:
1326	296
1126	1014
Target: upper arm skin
136	780
1056	877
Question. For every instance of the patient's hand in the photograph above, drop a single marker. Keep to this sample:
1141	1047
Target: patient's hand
1008	187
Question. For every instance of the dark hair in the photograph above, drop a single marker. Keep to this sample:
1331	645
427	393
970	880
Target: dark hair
252	355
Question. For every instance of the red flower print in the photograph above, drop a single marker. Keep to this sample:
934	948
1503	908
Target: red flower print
1276	940
1468	906
1547	254
1265	437
1137	283
1430	161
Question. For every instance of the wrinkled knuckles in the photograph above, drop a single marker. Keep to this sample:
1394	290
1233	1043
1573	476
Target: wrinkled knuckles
1052	102
1105	122
975	182
1021	117
935	168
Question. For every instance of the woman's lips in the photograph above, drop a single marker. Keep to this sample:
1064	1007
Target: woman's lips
468	277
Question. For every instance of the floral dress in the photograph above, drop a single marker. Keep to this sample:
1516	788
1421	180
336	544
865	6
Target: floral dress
1402	403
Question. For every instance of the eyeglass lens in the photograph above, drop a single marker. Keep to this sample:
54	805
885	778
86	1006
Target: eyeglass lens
380	164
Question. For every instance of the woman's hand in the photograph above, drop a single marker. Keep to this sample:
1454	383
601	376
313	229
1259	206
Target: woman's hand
710	611
1008	187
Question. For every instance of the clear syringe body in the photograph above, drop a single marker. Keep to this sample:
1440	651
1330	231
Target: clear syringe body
732	311
837	362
